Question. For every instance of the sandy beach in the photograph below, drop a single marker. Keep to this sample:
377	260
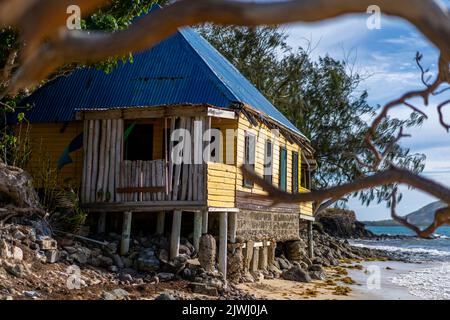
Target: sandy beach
372	281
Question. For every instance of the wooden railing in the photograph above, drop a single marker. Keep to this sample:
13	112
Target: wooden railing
142	180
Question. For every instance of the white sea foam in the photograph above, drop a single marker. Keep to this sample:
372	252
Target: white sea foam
406	250
429	283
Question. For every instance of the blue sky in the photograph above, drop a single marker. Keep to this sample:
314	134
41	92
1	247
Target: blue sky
387	56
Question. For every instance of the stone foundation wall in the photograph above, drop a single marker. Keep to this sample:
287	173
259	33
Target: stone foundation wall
261	225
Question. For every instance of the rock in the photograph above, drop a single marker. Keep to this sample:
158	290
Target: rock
105	261
79	257
202	288
31	294
120	294
5	252
113	268
19	235
118	261
283	263
51	256
47	243
342	223
296	274
17	254
16	270
111	247
126	277
187	273
165	276
163	255
275	270
316	267
185	250
108	296
318	275
147	261
207	252
165	296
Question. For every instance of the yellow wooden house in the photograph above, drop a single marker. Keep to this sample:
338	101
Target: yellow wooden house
131	125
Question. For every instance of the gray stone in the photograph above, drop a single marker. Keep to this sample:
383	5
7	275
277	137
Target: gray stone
120	293
5	252
165	276
296	274
17	254
51	256
147	261
165	296
202	288
16	270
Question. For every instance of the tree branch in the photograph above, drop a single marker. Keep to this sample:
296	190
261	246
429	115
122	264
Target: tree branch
69	46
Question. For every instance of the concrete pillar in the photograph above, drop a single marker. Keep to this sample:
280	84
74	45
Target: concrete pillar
271	252
101	226
262	263
248	255
197	229
233	226
205	221
126	231
310	240
175	235
255	260
223	230
160	223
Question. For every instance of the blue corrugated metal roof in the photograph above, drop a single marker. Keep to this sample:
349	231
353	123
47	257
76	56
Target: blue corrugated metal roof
184	68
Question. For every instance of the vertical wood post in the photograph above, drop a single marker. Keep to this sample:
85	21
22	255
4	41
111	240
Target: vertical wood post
248	254
233	226
101	227
160	223
126	230
310	240
197	229
223	226
175	236
205	221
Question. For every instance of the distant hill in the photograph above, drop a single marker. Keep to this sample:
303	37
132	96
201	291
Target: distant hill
422	217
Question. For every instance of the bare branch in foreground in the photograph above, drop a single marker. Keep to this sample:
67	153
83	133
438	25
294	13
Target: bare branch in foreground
393	175
66	46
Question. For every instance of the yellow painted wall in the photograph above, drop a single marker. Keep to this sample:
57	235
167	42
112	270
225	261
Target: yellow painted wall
221	178
48	141
263	133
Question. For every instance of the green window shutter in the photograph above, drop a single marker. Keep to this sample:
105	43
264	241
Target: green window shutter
249	159
268	158
283	168
294	172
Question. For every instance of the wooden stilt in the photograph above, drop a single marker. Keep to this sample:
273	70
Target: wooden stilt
223	226
101	227
205	221
160	223
126	231
233	226
310	240
197	229
175	236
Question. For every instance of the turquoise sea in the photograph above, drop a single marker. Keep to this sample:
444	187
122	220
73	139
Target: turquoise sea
412	248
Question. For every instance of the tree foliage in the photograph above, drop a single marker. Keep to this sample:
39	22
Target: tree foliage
322	98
